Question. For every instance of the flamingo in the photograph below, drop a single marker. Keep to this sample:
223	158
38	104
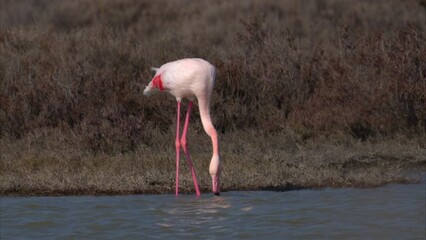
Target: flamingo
190	78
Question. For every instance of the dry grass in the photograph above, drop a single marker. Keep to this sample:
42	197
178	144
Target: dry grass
47	166
315	73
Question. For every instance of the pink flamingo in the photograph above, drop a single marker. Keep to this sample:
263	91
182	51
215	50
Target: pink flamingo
191	77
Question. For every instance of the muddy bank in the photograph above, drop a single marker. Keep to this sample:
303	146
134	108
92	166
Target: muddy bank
363	175
269	163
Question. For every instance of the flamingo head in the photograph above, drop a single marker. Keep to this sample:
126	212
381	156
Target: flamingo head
215	174
216	184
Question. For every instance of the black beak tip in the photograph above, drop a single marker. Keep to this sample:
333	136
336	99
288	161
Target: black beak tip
216	193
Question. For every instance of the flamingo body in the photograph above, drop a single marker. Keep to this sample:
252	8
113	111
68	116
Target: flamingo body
190	78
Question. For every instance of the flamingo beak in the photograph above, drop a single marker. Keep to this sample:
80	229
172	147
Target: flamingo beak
216	184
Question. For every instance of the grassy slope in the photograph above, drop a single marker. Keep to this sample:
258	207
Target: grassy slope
35	166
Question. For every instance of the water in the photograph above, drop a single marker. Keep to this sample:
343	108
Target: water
390	212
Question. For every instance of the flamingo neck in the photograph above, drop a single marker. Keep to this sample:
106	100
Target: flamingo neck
208	127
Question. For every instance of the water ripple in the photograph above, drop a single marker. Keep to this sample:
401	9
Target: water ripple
394	211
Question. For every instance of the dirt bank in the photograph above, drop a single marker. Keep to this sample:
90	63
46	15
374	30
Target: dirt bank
267	163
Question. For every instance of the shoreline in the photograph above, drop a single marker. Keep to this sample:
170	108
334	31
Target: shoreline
359	175
40	166
284	188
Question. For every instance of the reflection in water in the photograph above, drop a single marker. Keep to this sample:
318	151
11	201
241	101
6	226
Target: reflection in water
194	213
394	211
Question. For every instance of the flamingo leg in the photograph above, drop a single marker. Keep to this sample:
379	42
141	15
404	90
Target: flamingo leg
184	143
177	143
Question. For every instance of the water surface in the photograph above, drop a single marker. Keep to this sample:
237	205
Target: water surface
390	212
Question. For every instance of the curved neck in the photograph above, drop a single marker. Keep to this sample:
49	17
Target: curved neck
208	125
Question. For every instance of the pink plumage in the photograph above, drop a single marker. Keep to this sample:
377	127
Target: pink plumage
191	78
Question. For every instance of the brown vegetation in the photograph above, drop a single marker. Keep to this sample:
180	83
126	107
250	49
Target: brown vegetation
36	166
73	119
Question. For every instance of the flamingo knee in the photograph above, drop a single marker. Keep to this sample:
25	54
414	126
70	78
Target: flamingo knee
184	143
